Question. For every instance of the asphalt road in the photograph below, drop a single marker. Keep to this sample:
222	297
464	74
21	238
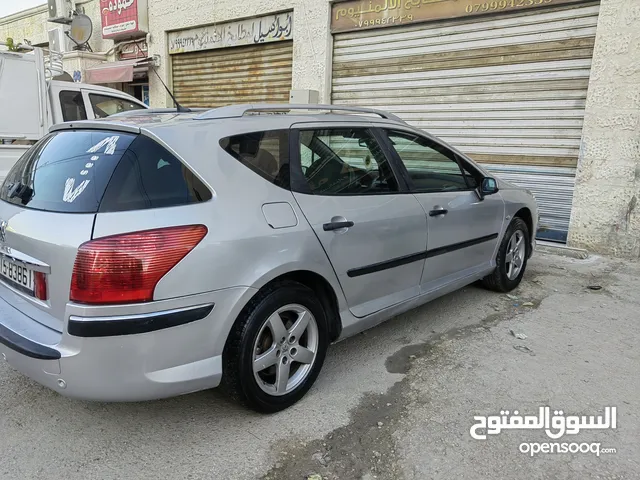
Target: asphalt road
394	403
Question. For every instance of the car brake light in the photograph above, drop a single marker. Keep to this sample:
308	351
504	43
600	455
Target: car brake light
126	268
40	286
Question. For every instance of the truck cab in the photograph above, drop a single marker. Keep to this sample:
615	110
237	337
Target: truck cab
31	103
79	101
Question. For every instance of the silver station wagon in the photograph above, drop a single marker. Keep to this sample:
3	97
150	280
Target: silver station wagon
157	253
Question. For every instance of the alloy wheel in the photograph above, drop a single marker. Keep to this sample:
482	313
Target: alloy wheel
285	350
516	254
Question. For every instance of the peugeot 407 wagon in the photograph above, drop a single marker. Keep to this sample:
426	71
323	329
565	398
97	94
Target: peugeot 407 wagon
158	253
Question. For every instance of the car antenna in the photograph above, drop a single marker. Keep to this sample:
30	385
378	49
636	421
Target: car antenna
179	108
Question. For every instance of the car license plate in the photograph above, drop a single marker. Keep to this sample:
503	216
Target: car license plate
17	274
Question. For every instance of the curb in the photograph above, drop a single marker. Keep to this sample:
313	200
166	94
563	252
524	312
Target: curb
558	249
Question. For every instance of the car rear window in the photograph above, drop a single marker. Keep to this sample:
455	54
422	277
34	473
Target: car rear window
149	176
66	171
89	171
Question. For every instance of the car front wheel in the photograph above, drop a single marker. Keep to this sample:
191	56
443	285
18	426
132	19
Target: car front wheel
511	260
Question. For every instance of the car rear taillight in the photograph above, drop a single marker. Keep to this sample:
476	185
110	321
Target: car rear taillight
126	268
40	286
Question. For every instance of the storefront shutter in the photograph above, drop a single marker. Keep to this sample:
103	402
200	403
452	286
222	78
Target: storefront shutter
247	74
508	90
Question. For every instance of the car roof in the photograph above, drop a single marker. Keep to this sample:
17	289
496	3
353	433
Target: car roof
269	115
167	124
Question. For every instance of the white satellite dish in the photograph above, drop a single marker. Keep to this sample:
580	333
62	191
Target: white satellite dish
81	29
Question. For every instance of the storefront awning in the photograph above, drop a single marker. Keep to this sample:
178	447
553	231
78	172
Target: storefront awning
116	72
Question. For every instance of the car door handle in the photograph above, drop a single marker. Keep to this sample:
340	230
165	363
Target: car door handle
436	212
328	227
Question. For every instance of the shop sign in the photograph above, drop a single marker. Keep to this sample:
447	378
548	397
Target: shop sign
365	14
272	28
130	51
123	18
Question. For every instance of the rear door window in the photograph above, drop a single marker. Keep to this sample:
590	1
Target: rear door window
149	176
345	161
66	171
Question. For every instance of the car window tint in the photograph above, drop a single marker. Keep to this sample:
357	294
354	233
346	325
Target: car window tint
105	105
149	176
66	171
266	153
72	105
307	156
431	167
345	161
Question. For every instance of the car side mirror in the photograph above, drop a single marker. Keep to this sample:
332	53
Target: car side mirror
488	186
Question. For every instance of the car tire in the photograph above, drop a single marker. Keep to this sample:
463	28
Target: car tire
503	279
253	338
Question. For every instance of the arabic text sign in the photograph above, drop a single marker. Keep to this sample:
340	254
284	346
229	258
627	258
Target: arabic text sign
271	28
555	426
134	50
365	14
119	17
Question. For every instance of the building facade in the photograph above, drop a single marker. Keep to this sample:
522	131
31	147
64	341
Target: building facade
103	50
542	92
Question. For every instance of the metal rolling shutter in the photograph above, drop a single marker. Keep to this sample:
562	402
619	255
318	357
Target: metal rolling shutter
508	90
248	74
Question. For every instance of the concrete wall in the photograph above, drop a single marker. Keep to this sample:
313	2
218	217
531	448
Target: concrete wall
80	61
606	215
310	35
32	25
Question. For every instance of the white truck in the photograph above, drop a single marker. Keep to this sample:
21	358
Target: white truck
31	102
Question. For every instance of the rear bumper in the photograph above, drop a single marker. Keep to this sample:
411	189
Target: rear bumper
25	346
153	355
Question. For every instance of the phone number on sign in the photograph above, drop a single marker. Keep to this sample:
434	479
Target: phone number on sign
502	4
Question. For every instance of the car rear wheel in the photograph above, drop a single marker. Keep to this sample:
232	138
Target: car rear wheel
276	349
511	260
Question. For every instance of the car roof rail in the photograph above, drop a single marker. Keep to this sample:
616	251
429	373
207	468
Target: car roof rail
153	111
237	111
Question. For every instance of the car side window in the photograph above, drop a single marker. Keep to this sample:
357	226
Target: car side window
266	153
104	105
345	161
307	157
72	106
431	166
